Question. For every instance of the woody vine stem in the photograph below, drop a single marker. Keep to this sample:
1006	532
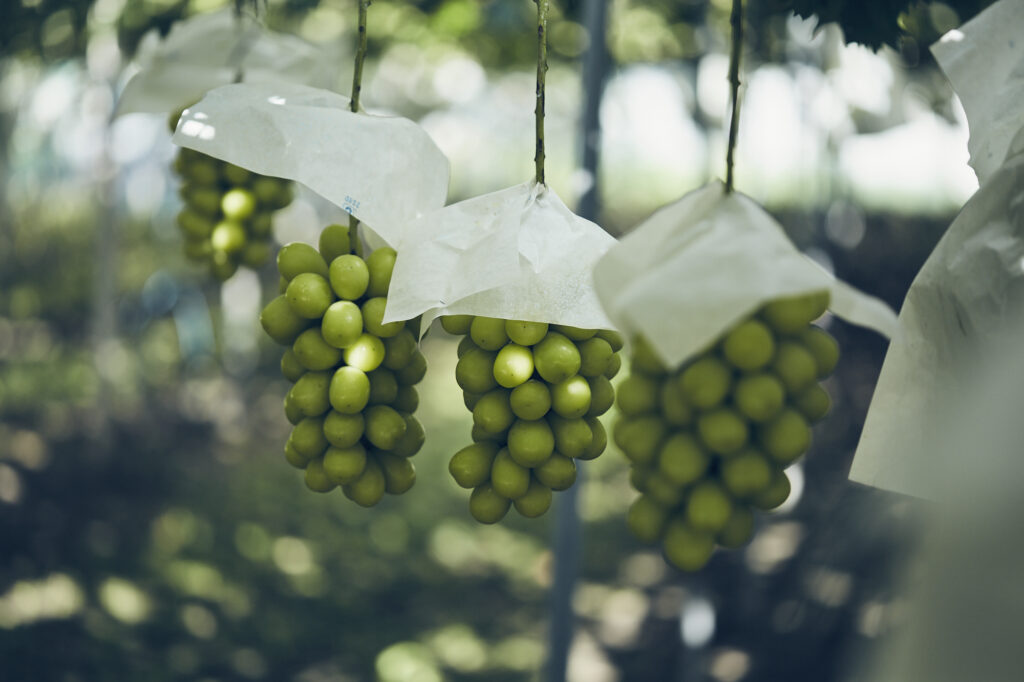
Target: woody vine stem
357	87
542	67
736	21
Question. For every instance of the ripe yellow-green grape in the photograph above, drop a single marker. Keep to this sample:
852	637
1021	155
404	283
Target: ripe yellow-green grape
353	397
535	391
226	217
708	441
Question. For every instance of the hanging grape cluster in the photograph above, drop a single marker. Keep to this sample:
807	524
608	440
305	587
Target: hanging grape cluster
709	441
353	396
535	393
226	219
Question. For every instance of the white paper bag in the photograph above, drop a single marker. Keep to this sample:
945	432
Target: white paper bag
518	254
209	50
699	265
383	170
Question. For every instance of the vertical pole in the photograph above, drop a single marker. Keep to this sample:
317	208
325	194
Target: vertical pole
568	531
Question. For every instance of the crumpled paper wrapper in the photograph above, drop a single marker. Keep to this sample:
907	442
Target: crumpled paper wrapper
984	60
518	254
971	288
208	50
699	265
384	170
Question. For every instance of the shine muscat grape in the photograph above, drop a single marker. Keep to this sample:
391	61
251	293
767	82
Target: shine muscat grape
708	442
353	397
536	392
226	219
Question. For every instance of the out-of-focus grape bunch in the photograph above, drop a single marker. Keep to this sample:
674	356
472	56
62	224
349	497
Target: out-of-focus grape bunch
353	396
536	392
227	218
709	441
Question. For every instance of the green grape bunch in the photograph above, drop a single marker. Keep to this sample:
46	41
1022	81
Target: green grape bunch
708	442
226	218
536	392
353	395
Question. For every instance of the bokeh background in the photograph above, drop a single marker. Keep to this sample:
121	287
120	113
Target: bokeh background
149	527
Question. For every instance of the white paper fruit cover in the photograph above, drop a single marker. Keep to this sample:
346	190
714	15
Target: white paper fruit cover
207	50
697	266
970	291
517	254
384	170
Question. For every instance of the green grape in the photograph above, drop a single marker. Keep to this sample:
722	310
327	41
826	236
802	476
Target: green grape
488	332
291	369
795	366
471	466
493	412
344	465
222	266
599	441
530	400
613	338
775	494
639	475
686	548
406	399
268	191
571	398
530	443
706	382
384	426
535	501
614	365
478	435
399	349
509	478
342	324
487	506
456	325
309	295
475	371
749	346
281	323
813	402
746	474
316	478
349	392
647	519
205	200
645	359
722	430
199	250
255	254
786	437
557	472
309	394
639	438
638	394
380	264
334	241
413	372
738	530
682	460
791	314
664	492
574	333
513	365
308	437
235	175
602	396
237	204
471	399
823	347
759	397
383	387
343	430
572	436
525	333
675	410
368	489
292	412
313	352
373	315
365	353
297	258
594	356
294	457
195	225
349	276
556	358
399	473
412	440
261	225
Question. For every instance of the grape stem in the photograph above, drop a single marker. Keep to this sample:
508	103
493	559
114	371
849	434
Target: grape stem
542	68
736	21
357	87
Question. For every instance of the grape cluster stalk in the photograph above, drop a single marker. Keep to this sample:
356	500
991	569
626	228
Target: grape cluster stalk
353	394
536	392
708	442
227	217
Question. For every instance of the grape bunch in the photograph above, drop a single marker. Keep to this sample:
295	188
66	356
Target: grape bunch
226	219
708	442
353	397
536	393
